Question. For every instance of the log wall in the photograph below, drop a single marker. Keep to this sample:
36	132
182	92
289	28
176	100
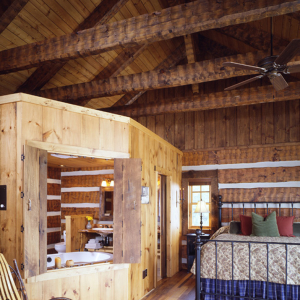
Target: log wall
53	209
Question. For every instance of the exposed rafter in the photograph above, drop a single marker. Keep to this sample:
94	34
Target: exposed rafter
191	56
232	98
101	14
10	13
168	63
204	71
168	23
123	60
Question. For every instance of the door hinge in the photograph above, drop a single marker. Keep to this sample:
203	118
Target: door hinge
22	157
141	253
22	267
122	253
141	168
22	194
141	223
22	228
154	168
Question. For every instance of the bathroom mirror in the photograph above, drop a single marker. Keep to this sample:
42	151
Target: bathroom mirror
106	203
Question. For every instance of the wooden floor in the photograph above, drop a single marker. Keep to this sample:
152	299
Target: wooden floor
179	287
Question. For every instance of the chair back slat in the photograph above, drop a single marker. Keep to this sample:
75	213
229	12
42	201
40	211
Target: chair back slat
8	287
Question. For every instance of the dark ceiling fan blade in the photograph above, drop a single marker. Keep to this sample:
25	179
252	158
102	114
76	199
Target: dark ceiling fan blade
243	82
293	69
278	82
289	52
242	66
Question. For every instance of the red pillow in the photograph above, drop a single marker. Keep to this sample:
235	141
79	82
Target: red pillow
246	225
285	225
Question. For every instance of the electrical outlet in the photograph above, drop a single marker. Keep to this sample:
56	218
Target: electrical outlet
145	273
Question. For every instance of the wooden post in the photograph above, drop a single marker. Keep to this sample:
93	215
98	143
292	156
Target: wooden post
198	263
220	210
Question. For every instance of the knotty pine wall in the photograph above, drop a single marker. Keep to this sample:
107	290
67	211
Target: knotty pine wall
54	125
53	208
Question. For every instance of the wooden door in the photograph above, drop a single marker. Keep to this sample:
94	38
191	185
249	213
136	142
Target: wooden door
35	211
127	210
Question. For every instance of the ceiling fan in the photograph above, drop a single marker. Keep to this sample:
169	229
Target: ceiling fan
271	66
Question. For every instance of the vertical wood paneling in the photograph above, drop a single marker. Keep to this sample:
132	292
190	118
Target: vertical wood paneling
267	123
279	122
151	123
199	130
255	125
160	126
142	120
8	172
189	128
170	128
52	125
210	128
179	131
243	131
220	127
230	124
294	118
71	128
90	133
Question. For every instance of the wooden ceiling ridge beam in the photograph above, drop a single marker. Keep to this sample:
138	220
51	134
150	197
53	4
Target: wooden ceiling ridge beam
204	71
10	13
148	28
249	96
101	14
171	61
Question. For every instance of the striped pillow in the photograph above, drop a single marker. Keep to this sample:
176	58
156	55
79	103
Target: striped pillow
264	227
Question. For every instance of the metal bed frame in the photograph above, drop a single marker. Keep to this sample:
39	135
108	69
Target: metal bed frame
199	293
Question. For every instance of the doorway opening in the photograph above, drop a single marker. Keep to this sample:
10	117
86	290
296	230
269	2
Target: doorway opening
161	227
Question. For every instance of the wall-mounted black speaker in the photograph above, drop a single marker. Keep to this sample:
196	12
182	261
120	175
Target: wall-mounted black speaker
2	197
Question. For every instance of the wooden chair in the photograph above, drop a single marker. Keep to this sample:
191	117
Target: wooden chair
8	289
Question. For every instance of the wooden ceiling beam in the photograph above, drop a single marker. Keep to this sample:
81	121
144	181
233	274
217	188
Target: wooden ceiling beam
101	14
170	22
191	56
171	61
204	71
11	12
232	98
123	60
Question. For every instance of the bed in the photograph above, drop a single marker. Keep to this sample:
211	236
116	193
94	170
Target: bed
271	271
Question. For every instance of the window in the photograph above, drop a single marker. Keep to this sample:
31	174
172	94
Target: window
198	191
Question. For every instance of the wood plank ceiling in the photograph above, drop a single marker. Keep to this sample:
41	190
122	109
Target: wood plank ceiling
104	53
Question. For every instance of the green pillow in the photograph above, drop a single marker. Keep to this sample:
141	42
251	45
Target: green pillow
267	227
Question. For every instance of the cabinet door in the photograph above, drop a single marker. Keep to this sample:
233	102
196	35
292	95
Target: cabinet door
35	211
127	210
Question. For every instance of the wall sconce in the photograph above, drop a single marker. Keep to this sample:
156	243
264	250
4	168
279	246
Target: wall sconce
181	196
107	182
